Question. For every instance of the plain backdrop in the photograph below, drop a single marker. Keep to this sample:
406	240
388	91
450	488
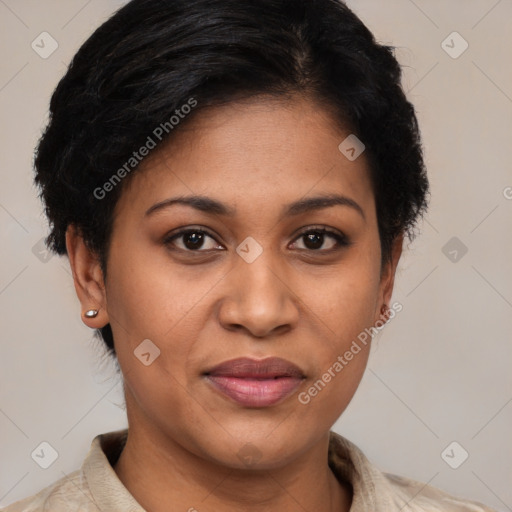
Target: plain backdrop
439	372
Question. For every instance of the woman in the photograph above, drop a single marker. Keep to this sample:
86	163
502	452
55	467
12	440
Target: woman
232	183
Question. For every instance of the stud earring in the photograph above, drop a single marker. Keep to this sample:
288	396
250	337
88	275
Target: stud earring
92	313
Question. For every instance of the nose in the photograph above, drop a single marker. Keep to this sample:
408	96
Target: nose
259	298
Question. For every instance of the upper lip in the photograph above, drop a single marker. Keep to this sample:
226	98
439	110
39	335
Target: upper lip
245	367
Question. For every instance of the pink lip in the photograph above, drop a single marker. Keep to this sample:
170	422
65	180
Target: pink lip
256	383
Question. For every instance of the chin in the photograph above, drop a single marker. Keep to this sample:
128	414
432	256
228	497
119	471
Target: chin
261	449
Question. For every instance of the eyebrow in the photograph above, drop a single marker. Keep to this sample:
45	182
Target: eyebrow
208	205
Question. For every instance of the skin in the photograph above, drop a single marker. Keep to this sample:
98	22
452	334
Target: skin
295	301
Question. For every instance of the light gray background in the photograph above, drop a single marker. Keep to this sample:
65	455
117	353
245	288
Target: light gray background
438	373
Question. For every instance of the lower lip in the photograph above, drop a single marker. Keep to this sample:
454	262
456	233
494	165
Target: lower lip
254	392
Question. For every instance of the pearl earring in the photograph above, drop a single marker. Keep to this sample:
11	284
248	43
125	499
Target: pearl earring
92	313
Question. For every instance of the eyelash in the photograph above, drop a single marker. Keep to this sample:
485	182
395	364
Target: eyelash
342	240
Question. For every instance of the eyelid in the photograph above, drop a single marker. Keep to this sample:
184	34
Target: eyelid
322	229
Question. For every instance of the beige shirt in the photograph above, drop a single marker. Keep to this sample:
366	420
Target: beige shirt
95	487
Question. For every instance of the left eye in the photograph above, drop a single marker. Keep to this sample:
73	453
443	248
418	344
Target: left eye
314	239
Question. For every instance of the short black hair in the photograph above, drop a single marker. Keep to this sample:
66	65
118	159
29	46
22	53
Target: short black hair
153	56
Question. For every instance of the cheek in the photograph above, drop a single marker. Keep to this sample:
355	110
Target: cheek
147	297
342	326
153	319
339	353
346	300
163	304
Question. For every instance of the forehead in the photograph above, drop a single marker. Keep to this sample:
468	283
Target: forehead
263	151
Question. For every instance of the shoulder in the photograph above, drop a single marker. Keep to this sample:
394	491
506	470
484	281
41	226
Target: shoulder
384	492
91	488
422	497
67	494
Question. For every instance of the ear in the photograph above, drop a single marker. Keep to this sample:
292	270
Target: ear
387	280
88	278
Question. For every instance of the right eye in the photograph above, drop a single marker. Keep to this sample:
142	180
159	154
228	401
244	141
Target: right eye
191	240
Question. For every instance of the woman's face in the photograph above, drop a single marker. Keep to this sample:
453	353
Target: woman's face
252	279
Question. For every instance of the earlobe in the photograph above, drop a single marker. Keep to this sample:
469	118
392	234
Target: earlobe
88	279
388	277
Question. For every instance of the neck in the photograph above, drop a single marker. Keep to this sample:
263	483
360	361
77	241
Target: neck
162	475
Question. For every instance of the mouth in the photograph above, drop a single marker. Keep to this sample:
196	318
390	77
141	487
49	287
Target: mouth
255	383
